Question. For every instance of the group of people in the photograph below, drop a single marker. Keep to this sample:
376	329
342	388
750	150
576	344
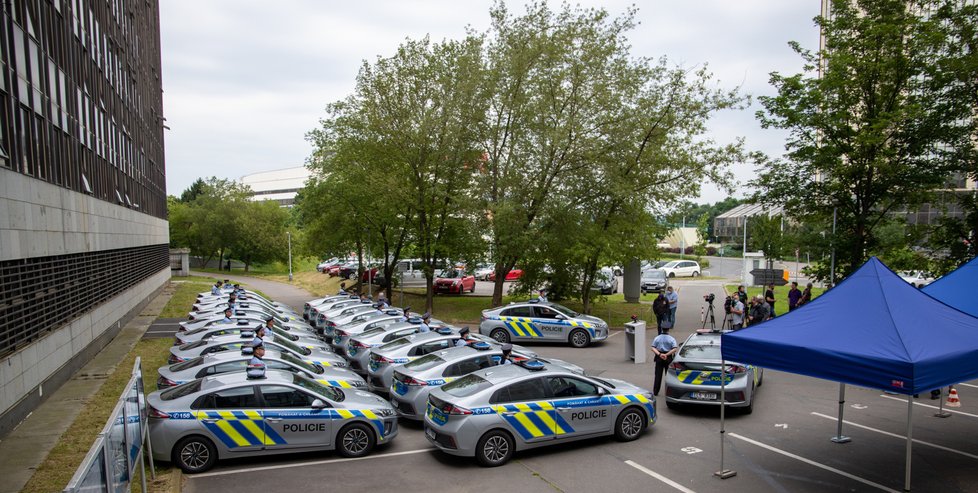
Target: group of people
664	308
745	311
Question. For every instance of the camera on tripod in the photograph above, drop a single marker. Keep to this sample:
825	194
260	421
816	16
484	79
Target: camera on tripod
709	298
728	304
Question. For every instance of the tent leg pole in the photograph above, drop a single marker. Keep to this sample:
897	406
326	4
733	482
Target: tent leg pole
941	413
839	437
906	481
723	473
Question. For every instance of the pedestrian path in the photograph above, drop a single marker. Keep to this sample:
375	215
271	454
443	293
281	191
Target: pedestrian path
289	294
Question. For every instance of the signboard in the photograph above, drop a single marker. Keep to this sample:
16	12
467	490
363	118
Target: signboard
778	277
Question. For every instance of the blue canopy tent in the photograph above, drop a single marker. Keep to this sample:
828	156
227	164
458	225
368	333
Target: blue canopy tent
873	330
956	288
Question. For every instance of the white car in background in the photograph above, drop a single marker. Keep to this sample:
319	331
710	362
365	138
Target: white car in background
483	271
682	268
917	278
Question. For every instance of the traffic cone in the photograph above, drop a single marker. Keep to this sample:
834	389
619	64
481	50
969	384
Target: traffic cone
952	398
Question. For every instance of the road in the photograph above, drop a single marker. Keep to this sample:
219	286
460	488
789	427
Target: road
782	447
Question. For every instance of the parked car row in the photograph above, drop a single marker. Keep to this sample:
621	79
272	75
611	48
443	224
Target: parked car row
344	386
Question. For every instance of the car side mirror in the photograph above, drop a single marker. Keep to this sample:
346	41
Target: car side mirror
318	404
560	317
602	391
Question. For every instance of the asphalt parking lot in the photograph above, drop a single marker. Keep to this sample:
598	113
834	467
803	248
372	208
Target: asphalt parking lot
783	446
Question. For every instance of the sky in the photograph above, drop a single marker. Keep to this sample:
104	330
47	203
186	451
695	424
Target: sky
244	81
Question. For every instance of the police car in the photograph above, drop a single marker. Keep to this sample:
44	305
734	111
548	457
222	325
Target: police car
383	359
342	335
234	415
492	413
414	380
246	319
314	354
309	305
337	318
228	361
317	315
219	303
695	374
235	329
358	348
542	321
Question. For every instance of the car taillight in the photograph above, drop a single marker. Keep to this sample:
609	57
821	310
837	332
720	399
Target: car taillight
677	366
340	333
192	317
736	369
331	324
359	344
456	410
413	381
165	382
156	413
381	359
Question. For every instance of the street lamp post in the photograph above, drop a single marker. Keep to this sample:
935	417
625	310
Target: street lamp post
289	234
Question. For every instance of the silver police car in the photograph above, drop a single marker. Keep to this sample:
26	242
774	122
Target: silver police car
492	413
383	359
414	380
235	415
317	355
695	374
542	321
228	361
342	335
358	348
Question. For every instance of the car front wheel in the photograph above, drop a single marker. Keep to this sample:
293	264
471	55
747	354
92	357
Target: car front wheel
579	338
696	273
355	440
194	454
629	425
494	449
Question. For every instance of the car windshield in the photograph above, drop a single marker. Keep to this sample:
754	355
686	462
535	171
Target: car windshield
181	390
196	331
654	274
451	274
332	393
372	332
425	362
190	363
305	365
564	310
291	346
701	351
671	264
466	386
396	343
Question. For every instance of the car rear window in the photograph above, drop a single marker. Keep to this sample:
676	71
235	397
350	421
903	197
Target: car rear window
372	332
181	390
425	362
194	345
292	346
190	363
466	386
701	351
404	341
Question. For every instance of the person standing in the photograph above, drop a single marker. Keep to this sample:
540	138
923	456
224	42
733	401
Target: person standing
673	298
664	347
542	296
794	297
660	308
760	311
425	318
769	298
737	313
806	295
256	366
742	294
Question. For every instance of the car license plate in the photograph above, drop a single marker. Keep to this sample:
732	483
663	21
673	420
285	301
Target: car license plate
437	415
704	396
400	388
429	433
374	365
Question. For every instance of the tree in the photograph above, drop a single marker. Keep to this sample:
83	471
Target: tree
196	189
261	238
878	130
208	223
766	234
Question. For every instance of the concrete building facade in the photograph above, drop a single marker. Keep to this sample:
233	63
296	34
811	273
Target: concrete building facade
84	240
280	185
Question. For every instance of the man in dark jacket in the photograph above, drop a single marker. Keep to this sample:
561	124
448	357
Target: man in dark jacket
660	308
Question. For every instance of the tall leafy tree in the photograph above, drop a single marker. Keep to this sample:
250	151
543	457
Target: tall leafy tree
261	234
879	129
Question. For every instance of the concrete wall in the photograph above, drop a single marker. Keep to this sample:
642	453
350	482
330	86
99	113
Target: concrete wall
38	219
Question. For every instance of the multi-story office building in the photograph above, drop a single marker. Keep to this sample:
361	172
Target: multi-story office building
281	185
83	230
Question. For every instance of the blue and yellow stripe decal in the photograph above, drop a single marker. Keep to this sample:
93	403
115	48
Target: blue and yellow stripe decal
239	428
696	377
534	419
521	327
345	384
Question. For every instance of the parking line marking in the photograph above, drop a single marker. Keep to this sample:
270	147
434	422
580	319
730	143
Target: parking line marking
616	333
968	385
303	464
812	463
904	400
660	477
894	435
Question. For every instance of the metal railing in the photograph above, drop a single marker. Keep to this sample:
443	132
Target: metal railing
121	447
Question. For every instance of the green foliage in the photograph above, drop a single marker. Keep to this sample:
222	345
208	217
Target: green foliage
765	234
882	127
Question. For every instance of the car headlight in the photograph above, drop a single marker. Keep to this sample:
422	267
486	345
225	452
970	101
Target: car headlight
384	413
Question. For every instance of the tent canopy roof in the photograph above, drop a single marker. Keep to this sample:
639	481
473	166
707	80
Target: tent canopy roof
957	288
872	330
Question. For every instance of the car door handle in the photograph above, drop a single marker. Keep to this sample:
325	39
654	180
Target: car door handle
563	409
273	420
509	414
210	420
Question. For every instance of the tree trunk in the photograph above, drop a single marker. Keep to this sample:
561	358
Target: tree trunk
429	295
497	287
220	262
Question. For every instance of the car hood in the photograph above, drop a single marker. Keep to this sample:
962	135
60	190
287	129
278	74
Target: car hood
624	387
589	318
361	398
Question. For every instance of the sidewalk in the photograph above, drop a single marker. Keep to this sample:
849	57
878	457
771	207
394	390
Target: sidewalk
26	447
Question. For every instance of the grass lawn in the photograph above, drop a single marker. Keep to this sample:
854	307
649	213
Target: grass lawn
185	295
60	465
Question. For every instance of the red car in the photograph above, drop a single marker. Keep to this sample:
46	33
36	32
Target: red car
370	275
454	281
510	276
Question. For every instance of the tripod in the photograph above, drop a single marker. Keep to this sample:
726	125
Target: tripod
711	318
